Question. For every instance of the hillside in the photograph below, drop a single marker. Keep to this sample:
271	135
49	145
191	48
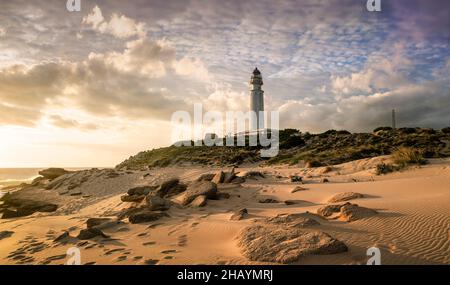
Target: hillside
328	148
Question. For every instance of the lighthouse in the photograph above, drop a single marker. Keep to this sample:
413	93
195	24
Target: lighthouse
256	101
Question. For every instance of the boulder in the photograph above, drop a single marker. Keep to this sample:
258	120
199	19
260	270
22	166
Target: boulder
94	222
52	173
218	178
132	198
14	207
271	243
5	234
144	216
296	179
342	197
198	188
200	201
298	189
156	203
170	188
206	177
239	215
295	220
141	190
229	176
268	201
91	233
62	237
346	212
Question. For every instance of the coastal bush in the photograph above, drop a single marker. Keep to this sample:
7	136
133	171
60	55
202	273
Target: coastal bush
382	129
384	168
407	155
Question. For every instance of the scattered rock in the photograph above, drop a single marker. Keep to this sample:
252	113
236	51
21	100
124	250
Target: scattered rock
342	197
156	203
200	201
294	202
91	233
95	222
145	216
265	243
218	178
141	190
167	187
346	212
239	215
268	201
195	189
5	234
296	179
253	174
295	220
132	198
206	177
229	176
52	173
324	180
298	189
62	237
238	180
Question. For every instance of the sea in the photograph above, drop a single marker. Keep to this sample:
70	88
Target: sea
16	176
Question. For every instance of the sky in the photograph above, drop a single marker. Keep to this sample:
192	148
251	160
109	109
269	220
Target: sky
91	88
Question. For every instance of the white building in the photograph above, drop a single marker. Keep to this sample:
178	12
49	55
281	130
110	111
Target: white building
256	100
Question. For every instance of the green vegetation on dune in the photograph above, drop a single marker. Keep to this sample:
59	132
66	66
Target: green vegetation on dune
328	148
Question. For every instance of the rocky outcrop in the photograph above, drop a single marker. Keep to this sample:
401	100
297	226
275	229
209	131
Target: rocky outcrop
206	177
132	198
14	207
141	190
294	220
218	178
52	173
91	233
200	201
239	215
145	215
5	234
346	212
253	175
280	244
156	203
198	188
346	196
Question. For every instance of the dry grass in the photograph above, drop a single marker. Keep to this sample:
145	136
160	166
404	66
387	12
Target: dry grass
407	155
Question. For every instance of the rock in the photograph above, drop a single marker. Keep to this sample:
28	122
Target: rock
76	193
170	188
195	189
5	234
271	243
298	189
324	180
239	215
62	237
296	178
238	180
144	216
346	212
52	173
141	190
223	195
91	233
24	207
156	203
229	176
268	201
36	181
294	202
132	198
94	222
206	177
352	212
342	197
218	178
253	174
295	220
329	210
200	201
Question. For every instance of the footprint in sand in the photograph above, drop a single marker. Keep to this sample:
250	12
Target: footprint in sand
151	261
121	258
111	251
169	251
149	243
90	263
182	240
138	257
142	234
168	257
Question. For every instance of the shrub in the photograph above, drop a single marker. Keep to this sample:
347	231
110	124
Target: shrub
313	163
382	129
384	168
406	155
446	130
292	141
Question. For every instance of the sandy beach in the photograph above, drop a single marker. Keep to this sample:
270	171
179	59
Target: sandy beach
411	225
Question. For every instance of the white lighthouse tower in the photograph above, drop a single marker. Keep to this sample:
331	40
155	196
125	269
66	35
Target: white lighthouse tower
256	100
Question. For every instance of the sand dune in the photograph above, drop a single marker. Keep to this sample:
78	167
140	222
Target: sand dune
411	227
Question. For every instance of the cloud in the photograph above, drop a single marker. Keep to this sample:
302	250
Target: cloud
119	26
65	123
